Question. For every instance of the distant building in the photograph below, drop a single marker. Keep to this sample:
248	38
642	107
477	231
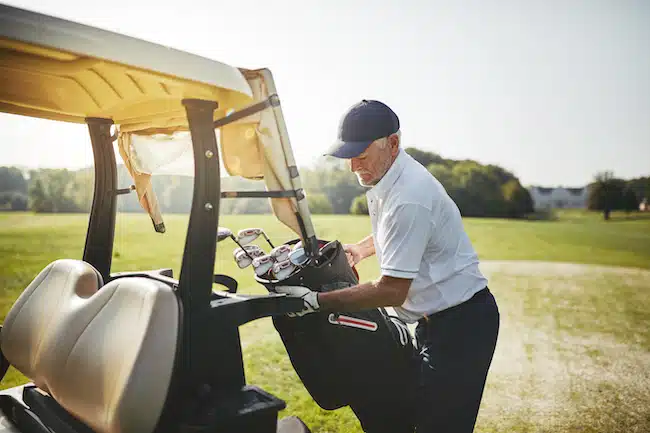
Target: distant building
558	198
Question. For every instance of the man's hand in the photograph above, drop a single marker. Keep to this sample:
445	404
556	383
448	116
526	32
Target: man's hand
353	254
359	251
309	298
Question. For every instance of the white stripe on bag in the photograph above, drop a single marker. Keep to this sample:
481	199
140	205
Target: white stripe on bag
352	322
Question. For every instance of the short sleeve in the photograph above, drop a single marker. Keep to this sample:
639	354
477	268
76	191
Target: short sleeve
404	236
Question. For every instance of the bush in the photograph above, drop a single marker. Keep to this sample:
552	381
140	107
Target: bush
359	205
518	200
13	201
19	202
254	206
319	204
630	201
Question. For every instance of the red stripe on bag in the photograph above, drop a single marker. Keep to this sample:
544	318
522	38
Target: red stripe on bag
352	322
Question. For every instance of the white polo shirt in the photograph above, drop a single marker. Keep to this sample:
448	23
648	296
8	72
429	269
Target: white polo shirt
418	234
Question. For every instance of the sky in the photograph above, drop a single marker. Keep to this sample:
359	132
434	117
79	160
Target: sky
554	91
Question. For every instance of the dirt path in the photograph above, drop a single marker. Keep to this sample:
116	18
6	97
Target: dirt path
573	353
561	363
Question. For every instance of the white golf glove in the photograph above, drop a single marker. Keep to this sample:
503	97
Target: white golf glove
309	298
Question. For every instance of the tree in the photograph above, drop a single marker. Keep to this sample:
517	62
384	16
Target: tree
251	206
605	194
425	158
53	190
359	205
13	201
478	191
12	180
630	200
19	202
319	204
518	199
444	175
640	186
13	189
177	194
333	178
341	188
38	198
80	189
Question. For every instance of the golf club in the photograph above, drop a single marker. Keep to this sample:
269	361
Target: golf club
245	256
246	236
280	253
298	257
262	264
224	233
282	270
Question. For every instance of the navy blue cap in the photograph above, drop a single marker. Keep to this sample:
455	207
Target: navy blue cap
363	123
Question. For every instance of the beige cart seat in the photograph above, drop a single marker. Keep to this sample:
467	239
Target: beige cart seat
105	354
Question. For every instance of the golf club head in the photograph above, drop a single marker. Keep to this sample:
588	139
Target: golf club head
244	257
282	270
280	253
223	233
298	256
246	236
262	265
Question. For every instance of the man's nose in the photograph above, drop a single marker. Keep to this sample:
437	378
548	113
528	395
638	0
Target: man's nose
354	164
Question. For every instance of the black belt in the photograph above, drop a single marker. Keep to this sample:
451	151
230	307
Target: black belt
438	314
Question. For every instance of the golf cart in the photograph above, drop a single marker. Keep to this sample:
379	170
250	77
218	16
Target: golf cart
143	351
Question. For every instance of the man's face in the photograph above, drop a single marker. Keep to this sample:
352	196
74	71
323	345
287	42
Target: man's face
375	161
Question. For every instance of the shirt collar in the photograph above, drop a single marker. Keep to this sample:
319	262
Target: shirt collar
386	183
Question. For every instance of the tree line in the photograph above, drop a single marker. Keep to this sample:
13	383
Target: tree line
479	190
608	193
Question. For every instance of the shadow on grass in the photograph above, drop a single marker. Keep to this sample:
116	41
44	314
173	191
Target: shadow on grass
637	216
543	215
583	215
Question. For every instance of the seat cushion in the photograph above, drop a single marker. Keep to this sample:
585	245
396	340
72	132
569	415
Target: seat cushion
105	354
292	424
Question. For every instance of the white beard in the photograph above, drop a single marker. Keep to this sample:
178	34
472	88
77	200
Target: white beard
362	183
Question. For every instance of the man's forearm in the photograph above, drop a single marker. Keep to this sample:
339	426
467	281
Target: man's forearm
373	294
367	246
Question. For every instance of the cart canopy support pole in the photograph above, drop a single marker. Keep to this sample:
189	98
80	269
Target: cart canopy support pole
98	250
214	359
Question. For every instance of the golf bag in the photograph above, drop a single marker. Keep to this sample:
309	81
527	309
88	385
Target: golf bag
363	359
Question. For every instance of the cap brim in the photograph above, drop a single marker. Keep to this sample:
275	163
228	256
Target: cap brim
348	149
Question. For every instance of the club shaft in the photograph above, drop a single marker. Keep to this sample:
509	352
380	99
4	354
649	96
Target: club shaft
267	239
241	246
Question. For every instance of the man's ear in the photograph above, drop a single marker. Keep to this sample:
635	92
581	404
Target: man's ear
393	142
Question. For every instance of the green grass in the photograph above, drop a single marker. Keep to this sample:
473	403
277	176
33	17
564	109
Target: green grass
573	353
577	237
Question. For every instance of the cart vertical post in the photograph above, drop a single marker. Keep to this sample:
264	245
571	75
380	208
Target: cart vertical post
98	250
208	347
197	268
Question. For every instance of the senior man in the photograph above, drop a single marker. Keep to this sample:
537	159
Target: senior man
429	270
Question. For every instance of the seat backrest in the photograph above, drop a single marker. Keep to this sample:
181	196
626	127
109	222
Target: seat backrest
105	354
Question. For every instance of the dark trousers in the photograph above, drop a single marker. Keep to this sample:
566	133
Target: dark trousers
456	349
394	416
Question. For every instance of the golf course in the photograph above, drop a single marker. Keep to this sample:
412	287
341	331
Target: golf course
573	353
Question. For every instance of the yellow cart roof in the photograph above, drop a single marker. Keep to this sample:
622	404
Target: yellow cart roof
57	69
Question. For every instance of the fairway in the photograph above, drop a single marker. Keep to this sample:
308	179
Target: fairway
574	295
